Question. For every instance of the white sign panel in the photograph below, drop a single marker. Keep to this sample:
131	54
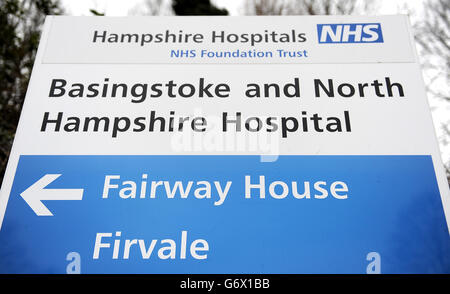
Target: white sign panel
225	145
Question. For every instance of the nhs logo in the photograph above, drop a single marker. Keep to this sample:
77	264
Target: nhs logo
350	33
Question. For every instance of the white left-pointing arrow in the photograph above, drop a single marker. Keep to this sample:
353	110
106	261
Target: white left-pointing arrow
36	193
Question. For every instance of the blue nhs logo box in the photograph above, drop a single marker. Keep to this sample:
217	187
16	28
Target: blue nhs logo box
350	33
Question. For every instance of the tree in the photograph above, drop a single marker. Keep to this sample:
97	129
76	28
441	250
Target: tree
433	37
20	28
178	7
196	7
96	12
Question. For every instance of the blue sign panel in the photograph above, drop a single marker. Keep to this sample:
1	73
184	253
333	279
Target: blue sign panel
224	214
350	33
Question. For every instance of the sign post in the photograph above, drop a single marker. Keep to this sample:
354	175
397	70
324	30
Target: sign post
225	145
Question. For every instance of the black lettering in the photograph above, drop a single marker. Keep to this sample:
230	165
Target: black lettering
54	86
46	121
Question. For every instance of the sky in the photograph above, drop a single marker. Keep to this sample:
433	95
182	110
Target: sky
122	8
234	7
